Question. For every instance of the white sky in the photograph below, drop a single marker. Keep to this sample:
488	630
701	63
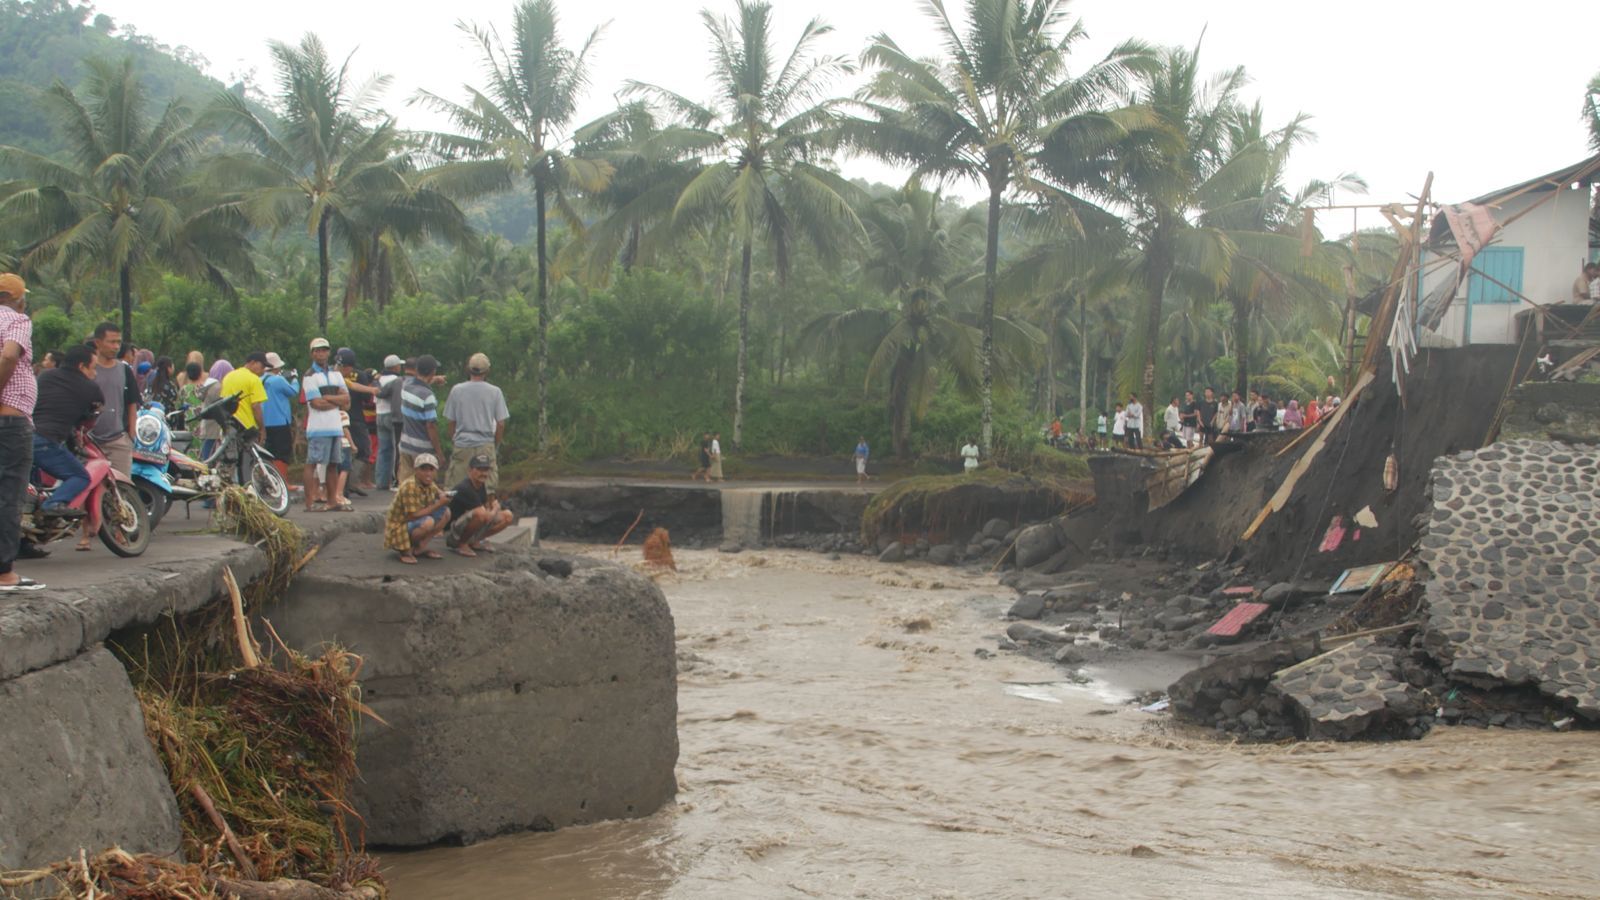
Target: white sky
1392	85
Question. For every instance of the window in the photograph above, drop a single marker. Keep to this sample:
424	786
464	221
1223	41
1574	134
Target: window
1503	266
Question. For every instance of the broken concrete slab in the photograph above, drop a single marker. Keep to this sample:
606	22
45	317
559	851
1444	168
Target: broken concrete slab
1348	690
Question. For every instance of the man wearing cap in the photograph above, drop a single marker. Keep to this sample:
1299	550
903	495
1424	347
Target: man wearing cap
18	391
326	397
419	411
245	383
277	414
418	514
388	423
477	413
475	515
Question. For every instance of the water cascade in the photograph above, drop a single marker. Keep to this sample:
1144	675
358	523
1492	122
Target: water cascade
741	516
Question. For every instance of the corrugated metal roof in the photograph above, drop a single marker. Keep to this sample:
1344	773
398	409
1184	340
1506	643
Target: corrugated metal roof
1237	618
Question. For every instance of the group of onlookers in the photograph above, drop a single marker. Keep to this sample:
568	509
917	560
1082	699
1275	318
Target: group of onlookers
361	430
1193	421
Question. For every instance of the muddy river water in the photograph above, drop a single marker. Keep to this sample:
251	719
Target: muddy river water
840	738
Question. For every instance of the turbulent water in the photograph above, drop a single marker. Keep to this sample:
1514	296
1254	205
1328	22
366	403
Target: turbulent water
841	739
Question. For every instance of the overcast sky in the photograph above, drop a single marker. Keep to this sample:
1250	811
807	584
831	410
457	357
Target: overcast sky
1483	95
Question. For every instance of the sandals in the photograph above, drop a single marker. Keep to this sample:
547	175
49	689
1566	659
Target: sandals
483	547
23	584
465	551
342	506
408	559
430	554
317	506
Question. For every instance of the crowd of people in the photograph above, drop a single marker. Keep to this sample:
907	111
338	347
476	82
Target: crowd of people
357	429
1191	421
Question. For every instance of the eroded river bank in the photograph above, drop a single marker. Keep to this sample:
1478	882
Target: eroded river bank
840	738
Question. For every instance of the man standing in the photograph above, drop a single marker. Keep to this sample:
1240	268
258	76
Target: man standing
1135	424
388	423
1583	286
245	383
17	394
475	514
277	414
326	397
419	409
1172	422
68	397
362	390
418	513
1208	417
477	413
862	452
119	393
1191	419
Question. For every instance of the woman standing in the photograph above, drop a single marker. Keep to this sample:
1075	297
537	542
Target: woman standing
969	456
1119	427
715	472
207	431
1293	419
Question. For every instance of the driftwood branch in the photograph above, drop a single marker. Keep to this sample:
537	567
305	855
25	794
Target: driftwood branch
246	865
241	627
290	889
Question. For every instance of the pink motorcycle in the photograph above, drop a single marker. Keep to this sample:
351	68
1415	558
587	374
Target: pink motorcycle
111	502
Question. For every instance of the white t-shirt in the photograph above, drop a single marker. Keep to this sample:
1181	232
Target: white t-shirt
322	422
969	455
385	407
1100	424
716	448
1120	427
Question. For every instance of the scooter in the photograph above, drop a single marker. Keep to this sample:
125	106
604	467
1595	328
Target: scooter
112	504
161	474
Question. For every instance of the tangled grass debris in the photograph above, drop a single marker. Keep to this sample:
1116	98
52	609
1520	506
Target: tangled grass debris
259	747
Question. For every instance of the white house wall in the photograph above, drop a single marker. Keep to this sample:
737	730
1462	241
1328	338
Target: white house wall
1554	239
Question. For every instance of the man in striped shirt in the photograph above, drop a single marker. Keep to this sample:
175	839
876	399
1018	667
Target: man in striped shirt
419	413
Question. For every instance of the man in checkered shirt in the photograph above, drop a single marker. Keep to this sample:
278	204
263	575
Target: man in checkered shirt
18	391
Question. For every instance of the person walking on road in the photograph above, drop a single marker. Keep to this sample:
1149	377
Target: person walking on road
477	413
715	472
18	392
862	452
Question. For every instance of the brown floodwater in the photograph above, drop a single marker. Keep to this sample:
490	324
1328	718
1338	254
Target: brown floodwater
841	739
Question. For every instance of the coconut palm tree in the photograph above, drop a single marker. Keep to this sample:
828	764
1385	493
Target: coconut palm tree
919	254
991	111
332	160
768	127
124	198
516	128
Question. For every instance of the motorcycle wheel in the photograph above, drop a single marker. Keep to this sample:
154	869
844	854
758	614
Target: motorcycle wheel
124	522
155	501
268	486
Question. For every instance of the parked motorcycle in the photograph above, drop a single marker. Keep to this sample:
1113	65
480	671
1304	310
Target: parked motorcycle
161	474
239	460
113	507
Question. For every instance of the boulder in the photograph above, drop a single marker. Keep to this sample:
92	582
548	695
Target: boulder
1022	631
1035	544
79	771
942	554
533	690
1028	606
996	528
731	547
894	553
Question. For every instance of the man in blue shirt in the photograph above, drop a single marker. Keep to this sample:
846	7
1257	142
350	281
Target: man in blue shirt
278	412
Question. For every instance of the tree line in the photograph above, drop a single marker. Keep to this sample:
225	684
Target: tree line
1138	229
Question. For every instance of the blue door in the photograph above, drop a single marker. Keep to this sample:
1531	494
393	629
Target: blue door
1503	268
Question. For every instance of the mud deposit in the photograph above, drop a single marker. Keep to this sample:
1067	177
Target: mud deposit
840	738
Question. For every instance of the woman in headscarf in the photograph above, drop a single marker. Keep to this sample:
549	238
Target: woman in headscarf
199	359
1293	419
144	366
210	432
1313	412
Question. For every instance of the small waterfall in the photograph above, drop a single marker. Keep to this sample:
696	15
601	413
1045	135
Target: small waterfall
741	516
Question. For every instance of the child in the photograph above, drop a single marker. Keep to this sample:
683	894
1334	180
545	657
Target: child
1119	427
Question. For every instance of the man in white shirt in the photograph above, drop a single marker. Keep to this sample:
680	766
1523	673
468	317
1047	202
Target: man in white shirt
388	423
1135	425
326	397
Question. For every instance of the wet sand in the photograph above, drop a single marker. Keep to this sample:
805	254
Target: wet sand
841	739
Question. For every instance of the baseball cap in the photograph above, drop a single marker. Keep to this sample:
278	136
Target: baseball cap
12	285
425	461
481	461
391	361
479	363
320	343
346	356
274	361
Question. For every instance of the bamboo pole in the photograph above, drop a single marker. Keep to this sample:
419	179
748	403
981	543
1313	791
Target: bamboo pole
241	627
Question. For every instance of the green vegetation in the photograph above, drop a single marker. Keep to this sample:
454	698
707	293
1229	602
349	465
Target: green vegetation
679	265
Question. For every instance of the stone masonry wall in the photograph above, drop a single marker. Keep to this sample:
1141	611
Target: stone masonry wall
1513	548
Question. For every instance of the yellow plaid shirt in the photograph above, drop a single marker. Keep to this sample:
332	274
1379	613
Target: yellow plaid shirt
409	499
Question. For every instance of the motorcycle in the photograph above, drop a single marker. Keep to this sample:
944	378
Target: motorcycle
161	474
240	460
112	504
